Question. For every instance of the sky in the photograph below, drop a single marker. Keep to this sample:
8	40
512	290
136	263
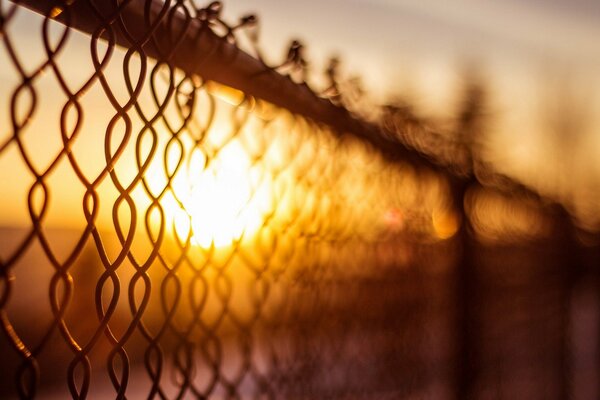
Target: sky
393	32
540	57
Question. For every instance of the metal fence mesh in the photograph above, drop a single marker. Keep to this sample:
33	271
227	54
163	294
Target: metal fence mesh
190	206
167	236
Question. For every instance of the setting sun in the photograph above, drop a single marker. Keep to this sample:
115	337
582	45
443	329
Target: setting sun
221	200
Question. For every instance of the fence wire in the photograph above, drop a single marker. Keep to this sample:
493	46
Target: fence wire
168	236
190	207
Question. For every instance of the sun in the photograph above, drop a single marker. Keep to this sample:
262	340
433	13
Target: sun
221	200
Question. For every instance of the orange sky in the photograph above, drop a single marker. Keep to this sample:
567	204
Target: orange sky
534	54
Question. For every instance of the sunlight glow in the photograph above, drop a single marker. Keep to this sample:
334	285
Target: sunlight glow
219	201
445	223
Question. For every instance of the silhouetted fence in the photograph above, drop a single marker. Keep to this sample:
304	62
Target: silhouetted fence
180	220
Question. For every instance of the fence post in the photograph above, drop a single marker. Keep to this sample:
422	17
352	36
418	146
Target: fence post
465	340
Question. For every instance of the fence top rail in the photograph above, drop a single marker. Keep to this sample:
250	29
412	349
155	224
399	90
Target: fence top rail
168	32
201	51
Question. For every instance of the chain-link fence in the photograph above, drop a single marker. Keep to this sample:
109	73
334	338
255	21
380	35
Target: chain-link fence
181	221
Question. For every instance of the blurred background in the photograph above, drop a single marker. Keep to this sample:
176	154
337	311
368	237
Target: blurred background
240	251
539	61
